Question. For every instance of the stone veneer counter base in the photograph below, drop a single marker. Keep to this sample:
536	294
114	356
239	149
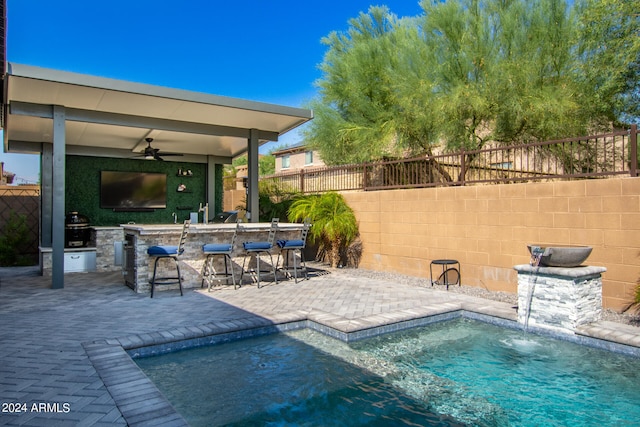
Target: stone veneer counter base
559	298
139	237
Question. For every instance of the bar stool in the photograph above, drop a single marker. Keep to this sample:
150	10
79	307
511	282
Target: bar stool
168	252
258	248
286	246
211	250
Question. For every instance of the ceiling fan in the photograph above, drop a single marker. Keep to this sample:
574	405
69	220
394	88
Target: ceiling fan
151	153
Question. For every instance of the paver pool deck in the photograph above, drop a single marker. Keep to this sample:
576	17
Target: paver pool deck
63	357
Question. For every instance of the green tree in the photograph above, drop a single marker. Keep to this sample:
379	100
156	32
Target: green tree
608	42
471	71
274	201
334	223
354	117
266	163
460	59
502	69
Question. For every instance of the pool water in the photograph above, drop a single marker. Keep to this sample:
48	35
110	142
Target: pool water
456	373
278	380
485	375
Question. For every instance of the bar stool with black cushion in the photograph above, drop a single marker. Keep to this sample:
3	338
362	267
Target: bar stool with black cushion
290	246
258	248
168	252
213	250
449	275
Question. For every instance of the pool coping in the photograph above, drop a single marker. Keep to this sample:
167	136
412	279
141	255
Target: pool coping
141	402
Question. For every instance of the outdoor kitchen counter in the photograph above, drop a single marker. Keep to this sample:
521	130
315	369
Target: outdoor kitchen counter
138	266
245	227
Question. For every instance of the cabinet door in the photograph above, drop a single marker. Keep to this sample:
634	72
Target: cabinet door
73	262
79	261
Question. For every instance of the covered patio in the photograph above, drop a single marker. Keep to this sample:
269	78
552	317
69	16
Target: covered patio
56	113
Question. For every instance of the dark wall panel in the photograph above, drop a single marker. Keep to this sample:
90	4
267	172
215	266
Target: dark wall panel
83	189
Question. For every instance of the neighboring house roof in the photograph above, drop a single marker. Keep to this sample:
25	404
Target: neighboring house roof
291	149
7	177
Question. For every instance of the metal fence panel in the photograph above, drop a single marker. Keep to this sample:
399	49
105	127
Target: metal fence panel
593	156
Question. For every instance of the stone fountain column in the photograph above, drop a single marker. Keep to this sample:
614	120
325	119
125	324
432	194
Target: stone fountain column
559	298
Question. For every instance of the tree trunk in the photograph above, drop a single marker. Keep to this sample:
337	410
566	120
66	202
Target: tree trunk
334	253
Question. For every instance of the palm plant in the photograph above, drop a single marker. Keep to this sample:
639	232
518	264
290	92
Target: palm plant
636	299
334	223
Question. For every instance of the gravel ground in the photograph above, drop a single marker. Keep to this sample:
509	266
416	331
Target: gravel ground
629	318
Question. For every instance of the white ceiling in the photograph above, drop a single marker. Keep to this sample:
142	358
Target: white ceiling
108	117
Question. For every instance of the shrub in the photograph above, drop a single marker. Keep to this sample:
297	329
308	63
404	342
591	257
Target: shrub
13	239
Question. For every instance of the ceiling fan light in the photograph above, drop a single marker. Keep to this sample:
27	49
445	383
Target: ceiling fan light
149	157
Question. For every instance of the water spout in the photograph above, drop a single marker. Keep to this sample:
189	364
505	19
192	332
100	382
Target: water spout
558	297
536	255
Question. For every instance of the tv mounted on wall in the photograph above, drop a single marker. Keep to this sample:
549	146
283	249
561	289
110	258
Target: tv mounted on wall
133	190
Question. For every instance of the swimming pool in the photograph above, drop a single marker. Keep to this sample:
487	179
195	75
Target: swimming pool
452	373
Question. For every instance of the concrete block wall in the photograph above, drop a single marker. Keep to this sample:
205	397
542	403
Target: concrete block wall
233	199
487	228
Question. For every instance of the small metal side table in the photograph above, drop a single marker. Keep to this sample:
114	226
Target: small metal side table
449	275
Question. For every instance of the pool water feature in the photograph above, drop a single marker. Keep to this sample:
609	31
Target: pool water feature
469	372
536	256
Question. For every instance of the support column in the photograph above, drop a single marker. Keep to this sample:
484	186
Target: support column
253	170
46	197
58	197
211	188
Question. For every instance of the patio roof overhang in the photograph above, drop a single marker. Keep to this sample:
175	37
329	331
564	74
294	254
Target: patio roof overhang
108	117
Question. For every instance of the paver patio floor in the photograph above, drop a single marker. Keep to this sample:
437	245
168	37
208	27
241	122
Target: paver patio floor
50	339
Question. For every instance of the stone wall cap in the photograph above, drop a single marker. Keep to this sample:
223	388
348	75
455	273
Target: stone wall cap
586	270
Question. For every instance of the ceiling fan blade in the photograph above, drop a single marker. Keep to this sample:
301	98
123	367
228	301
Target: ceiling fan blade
154	153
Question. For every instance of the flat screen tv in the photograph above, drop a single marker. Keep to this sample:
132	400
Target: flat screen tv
133	190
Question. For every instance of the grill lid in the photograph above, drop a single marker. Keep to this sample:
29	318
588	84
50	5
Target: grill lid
76	219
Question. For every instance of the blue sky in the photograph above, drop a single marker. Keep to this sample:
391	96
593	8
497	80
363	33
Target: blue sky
259	50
